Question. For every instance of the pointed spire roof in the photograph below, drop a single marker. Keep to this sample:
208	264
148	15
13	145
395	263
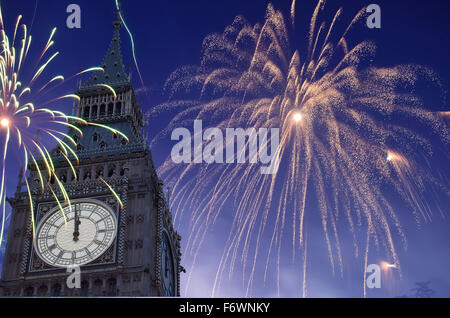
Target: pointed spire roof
114	70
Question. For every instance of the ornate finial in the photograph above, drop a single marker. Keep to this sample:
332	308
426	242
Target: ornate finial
117	23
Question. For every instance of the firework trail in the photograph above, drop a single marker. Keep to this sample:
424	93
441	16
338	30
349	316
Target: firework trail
25	115
132	42
348	136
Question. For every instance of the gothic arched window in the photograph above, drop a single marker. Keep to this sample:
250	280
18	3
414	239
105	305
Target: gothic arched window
56	290
95	137
84	288
86	112
87	175
97	288
102	110
110	109
111	170
112	287
42	291
99	172
94	111
118	108
29	291
63	176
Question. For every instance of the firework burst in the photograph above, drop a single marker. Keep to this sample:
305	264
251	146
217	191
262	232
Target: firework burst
349	134
29	124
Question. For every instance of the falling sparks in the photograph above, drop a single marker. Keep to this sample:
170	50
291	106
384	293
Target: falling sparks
27	124
350	148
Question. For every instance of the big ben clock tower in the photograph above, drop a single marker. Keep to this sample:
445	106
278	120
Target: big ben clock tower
129	250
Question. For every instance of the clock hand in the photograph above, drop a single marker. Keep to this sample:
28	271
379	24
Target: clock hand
77	222
166	261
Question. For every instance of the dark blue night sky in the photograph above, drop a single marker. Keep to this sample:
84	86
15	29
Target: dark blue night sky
169	34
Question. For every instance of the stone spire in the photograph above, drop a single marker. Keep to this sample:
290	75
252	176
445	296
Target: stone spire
114	70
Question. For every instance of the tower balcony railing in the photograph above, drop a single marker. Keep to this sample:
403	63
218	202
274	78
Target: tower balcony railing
110	150
102	118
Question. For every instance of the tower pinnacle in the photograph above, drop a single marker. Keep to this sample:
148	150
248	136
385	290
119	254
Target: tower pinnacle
117	23
113	73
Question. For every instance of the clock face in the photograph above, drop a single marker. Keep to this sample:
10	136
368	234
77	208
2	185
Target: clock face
167	267
84	234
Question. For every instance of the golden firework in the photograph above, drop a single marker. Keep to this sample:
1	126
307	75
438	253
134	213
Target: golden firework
22	115
348	133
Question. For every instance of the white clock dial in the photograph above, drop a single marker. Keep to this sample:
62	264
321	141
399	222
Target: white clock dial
81	236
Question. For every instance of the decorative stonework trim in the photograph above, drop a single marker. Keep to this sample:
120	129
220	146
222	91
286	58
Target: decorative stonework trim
27	242
122	225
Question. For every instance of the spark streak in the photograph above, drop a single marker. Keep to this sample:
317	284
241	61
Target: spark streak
350	140
21	116
132	43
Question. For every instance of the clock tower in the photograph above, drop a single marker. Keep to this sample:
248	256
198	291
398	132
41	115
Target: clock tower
121	248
